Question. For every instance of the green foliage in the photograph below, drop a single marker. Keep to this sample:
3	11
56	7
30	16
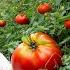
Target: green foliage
51	23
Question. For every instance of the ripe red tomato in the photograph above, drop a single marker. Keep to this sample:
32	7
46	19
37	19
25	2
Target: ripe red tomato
67	24
2	23
43	8
21	19
46	55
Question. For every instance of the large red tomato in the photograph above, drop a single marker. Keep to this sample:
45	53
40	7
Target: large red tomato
2	23
43	8
67	23
45	56
22	19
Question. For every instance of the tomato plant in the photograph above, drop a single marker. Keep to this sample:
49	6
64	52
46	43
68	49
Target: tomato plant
21	19
52	24
43	8
2	23
45	55
67	24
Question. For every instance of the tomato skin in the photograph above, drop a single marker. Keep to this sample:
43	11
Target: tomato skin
43	8
22	19
2	23
67	24
45	56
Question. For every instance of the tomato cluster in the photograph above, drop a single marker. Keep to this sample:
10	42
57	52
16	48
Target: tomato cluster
46	54
42	8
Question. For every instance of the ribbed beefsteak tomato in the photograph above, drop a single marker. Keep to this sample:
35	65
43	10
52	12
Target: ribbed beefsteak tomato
45	56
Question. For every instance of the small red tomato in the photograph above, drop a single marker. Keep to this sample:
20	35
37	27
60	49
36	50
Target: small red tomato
21	19
43	8
67	23
2	23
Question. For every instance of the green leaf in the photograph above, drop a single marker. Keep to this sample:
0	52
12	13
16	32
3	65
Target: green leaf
65	40
26	39
56	2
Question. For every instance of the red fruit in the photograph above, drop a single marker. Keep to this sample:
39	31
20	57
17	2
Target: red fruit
43	8
2	23
67	23
46	55
21	19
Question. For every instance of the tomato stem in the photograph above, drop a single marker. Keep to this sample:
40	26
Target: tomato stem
33	45
64	18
